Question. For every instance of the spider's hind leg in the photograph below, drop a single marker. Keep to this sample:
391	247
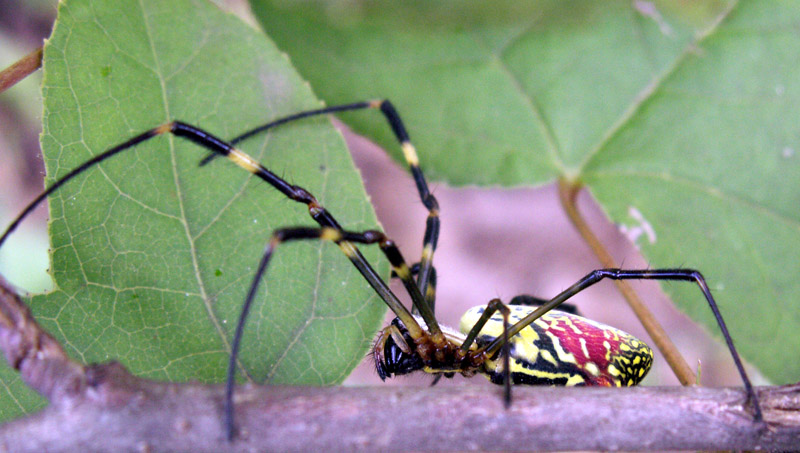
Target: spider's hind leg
677	274
533	301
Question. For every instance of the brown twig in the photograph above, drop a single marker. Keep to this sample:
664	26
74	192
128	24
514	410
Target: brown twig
41	361
21	69
568	193
105	408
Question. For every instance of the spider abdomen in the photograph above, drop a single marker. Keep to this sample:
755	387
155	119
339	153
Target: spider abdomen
563	349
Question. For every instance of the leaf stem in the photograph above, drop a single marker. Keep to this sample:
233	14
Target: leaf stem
21	69
567	194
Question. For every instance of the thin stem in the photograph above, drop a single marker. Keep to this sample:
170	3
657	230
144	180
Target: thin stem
21	69
567	194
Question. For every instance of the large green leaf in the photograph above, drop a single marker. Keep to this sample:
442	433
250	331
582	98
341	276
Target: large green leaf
151	255
681	115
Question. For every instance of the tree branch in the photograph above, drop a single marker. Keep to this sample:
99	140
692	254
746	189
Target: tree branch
103	407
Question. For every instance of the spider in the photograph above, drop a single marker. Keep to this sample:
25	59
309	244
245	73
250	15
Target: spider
526	341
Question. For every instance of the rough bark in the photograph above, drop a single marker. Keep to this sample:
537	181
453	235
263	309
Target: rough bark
105	408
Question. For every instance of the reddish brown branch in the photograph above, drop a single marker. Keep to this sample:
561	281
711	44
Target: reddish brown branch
21	69
104	408
42	362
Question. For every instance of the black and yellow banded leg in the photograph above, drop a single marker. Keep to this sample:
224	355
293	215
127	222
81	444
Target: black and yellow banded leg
293	192
290	118
222	148
345	241
493	306
432	224
593	277
318	213
430	293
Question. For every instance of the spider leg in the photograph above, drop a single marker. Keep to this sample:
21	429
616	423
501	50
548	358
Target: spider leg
345	240
493	306
430	294
288	119
295	193
432	224
689	275
533	301
220	147
78	170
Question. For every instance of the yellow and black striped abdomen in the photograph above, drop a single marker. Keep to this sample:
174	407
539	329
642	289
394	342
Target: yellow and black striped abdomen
564	349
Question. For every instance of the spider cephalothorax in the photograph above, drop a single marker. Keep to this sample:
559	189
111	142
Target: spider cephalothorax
396	352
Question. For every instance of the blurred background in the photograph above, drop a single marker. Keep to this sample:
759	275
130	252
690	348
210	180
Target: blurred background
494	242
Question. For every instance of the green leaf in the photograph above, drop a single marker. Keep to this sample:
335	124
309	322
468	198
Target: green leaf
684	117
152	255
